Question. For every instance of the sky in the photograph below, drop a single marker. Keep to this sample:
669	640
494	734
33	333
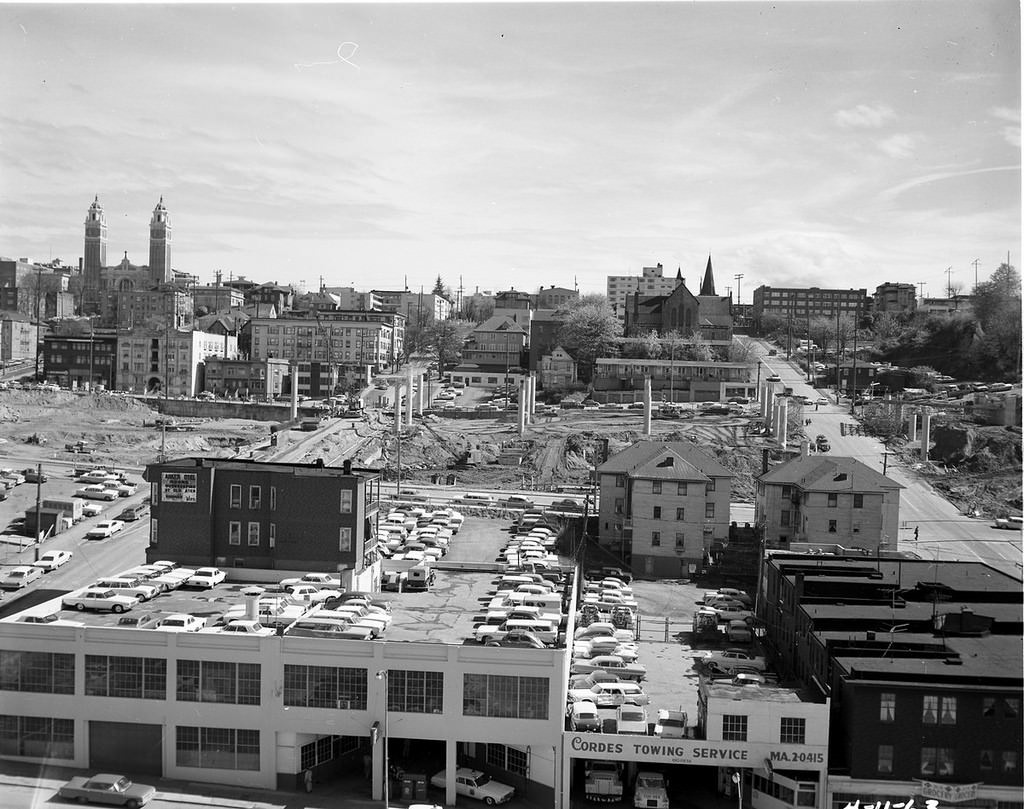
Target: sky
517	145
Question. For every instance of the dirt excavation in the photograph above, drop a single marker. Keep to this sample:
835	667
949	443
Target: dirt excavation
977	468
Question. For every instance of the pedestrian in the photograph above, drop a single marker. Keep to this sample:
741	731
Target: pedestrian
307	778
916	529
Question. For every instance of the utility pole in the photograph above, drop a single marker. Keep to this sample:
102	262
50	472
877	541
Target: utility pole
39	320
738	277
922	284
853	369
976	262
949	282
39	501
885	461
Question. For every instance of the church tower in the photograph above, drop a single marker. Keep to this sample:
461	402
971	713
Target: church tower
94	257
160	245
707	286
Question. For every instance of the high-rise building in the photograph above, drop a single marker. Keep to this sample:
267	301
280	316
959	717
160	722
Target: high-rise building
650	282
94	256
802	304
160	245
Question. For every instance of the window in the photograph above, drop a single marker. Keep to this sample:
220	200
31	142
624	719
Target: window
37	737
833	500
508	758
985	760
657	513
324	750
709	511
619	505
937	761
273	498
415	691
38	672
655	539
1011	709
885	752
254	533
272	535
346	501
681	489
1009	761
325	687
793	730
856	526
832	526
234	533
858	501
125	677
784	517
930	710
787	492
680	541
345	539
255	495
153	526
236	496
620	481
217	681
887	707
947	714
734	728
218	748
504	696
710	486
656	487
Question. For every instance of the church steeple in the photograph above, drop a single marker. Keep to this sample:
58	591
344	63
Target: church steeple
707	286
160	245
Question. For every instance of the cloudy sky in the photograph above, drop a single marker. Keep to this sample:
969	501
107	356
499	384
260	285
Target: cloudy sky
819	143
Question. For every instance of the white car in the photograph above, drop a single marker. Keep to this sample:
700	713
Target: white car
104	529
125	489
670	724
631	719
475	784
207	577
21	576
732	612
97	492
321	580
729	659
248	628
98	598
51	560
92	510
180	622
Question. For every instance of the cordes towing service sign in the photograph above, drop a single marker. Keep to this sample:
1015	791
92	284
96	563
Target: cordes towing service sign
696	751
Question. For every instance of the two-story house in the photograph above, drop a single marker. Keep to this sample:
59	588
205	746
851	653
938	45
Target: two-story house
662	506
817	498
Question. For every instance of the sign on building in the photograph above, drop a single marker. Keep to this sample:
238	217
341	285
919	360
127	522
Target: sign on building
179	487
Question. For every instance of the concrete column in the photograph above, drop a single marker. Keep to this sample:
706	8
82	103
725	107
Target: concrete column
398	407
783	422
294	370
900	413
533	394
647	405
912	425
805	448
766	401
926	426
420	394
408	399
522	407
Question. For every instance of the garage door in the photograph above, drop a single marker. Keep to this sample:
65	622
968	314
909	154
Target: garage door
126	747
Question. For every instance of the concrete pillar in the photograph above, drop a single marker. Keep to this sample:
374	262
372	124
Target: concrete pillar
783	421
647	405
926	426
420	394
912	425
766	401
805	448
398	407
408	399
522	407
533	394
268	373
294	370
900	413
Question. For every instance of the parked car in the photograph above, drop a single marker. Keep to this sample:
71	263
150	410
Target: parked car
475	784
773	378
98	598
206	577
321	580
670	724
729	659
112	790
92	509
125	489
519	638
732	612
181	622
19	577
613	663
104	529
51	560
145	620
97	492
248	628
33	476
48	618
132	513
631	719
583	716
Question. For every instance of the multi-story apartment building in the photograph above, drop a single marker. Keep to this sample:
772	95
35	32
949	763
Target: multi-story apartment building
351	298
154	307
253	515
921	663
18	337
419	309
649	283
262	380
802	304
81	360
621	379
519	307
349	340
830	499
662	506
553	297
282	298
896	297
493	353
557	370
218	298
167	360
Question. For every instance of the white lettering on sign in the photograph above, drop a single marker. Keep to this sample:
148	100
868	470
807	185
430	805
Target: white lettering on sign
179	487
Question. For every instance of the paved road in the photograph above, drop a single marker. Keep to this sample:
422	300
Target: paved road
943	532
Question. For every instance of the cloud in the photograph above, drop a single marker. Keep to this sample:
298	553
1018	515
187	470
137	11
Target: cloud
1010	133
896	190
864	116
899	145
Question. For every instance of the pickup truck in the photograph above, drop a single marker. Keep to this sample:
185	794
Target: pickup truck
114	790
603	781
650	791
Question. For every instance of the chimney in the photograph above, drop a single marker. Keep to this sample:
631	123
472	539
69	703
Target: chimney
764	461
346	466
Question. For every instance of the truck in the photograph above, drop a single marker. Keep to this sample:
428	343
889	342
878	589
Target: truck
71	506
650	791
705	624
78	446
603	781
419	577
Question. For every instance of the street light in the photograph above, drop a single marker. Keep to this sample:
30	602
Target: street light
382	675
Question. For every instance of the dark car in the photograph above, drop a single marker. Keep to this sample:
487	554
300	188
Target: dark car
132	513
519	638
34	476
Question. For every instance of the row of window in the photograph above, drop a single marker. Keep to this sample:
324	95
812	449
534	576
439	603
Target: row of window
940	710
682	488
256	498
942	760
792	729
656	511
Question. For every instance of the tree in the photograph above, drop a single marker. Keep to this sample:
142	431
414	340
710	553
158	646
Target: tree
590	330
742	351
444	339
997	308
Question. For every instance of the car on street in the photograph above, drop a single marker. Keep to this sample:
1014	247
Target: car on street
475	784
583	716
206	577
1009	523
98	598
19	577
132	513
92	509
107	789
731	659
773	378
104	529
821	400
51	560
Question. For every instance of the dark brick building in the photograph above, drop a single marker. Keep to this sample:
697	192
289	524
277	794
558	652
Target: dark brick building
235	513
